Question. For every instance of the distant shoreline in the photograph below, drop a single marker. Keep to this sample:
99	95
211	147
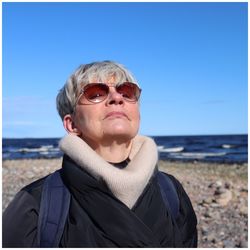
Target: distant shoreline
192	135
171	161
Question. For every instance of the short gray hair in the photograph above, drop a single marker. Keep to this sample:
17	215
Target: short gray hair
87	73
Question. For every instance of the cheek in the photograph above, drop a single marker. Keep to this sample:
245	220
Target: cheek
137	112
135	116
86	120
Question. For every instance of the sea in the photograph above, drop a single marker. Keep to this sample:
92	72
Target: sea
210	148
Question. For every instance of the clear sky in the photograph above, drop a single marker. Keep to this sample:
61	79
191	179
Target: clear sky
189	58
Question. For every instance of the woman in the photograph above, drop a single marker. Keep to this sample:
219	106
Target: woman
109	170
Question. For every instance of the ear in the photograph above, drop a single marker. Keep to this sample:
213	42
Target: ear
69	125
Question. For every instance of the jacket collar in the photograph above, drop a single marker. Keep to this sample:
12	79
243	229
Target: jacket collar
126	184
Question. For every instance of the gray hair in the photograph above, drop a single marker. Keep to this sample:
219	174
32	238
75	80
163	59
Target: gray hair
85	74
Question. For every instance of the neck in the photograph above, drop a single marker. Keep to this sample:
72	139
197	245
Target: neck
113	152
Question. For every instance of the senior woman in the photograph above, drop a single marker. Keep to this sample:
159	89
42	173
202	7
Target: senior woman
109	171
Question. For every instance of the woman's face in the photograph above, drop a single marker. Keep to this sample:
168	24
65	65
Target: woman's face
113	119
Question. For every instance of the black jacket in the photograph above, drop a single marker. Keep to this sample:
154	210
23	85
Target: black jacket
98	219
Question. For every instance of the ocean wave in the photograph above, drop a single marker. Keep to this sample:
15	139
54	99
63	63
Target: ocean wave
170	150
226	146
42	149
230	148
193	155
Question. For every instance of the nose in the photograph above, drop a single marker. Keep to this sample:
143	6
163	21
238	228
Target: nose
114	97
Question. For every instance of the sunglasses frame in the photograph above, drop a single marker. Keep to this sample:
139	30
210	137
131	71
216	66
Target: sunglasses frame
109	86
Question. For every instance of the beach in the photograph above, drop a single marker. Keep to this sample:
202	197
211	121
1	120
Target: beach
218	193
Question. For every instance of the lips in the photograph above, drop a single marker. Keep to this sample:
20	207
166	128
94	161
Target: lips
115	114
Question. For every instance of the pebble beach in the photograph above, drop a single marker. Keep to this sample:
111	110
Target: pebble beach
218	192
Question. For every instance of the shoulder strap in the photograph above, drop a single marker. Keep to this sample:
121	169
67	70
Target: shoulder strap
169	193
53	211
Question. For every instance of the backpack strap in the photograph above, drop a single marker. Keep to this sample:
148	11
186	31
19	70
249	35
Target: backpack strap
169	193
53	211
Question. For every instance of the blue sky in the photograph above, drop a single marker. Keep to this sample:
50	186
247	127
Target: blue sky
189	58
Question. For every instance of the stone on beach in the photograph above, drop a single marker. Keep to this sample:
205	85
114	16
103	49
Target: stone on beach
219	196
223	198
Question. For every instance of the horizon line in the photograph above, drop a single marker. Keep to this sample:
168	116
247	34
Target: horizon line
46	137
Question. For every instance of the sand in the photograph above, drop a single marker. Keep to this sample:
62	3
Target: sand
218	193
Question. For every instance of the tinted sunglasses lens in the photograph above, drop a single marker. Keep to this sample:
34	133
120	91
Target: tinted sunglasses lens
96	92
129	91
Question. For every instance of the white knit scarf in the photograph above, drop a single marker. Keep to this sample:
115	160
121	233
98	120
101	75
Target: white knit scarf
126	184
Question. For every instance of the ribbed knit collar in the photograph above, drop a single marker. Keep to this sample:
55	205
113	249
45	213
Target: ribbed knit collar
126	184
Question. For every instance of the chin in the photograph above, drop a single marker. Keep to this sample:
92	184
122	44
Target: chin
121	134
121	130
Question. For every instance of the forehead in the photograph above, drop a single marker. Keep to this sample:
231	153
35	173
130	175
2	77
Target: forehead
109	75
110	79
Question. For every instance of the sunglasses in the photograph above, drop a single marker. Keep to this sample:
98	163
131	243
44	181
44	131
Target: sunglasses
98	92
